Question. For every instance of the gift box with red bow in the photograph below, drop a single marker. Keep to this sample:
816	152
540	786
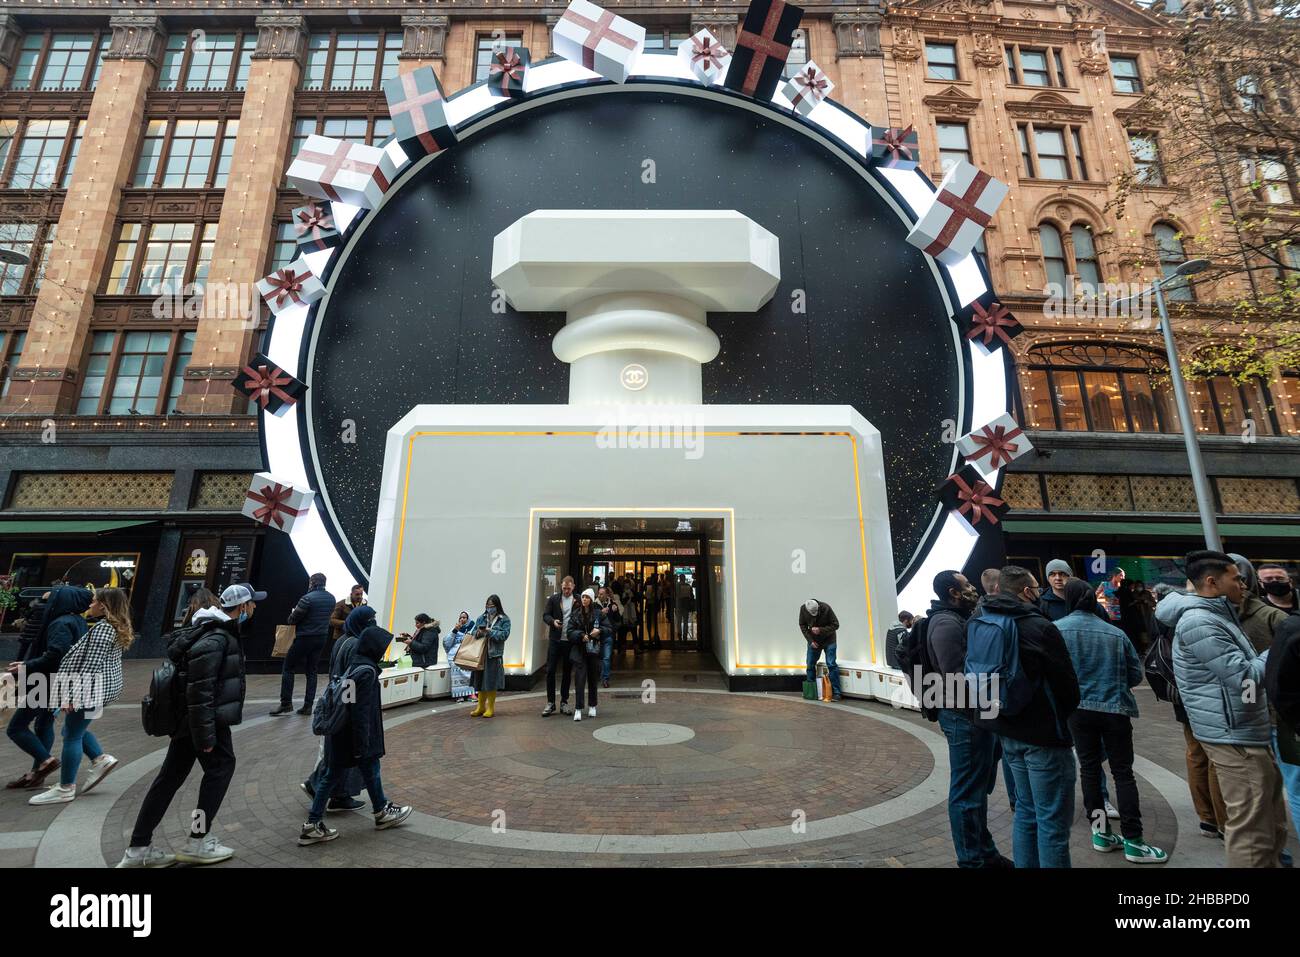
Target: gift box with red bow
704	56
274	503
345	172
967	199
994	444
598	40
762	47
269	386
895	148
418	109
988	323
972	498
290	286
314	226
506	71
807	88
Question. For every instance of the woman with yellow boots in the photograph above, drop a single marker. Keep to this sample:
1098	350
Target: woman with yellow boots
496	626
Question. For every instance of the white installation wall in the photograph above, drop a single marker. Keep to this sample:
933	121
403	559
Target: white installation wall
805	515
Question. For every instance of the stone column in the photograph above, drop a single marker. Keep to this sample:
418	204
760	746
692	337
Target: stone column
49	379
862	64
424	40
230	303
11	41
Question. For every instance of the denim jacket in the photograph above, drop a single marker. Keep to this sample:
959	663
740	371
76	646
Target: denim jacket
1105	662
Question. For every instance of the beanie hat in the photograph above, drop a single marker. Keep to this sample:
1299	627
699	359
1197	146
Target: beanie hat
590	593
1060	565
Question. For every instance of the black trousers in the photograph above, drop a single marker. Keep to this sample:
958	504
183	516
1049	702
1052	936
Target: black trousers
218	768
586	676
304	655
1098	733
557	655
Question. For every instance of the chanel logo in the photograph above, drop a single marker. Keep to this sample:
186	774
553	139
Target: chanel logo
634	377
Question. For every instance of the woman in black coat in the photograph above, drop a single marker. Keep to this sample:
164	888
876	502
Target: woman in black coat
359	743
588	630
423	645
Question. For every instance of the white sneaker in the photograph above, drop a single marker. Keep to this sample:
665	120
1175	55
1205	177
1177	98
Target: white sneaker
1111	812
146	857
205	850
55	795
591	712
577	714
99	769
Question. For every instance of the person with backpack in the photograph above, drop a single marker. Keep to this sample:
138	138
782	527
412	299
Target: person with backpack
1219	677
32	724
311	616
358	738
819	625
896	637
89	679
208	694
940	650
1102	727
1026	689
346	787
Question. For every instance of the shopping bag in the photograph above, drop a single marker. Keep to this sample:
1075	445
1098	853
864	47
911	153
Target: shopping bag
826	687
472	655
284	636
810	690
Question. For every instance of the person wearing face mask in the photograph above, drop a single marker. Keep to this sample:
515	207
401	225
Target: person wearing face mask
210	656
460	687
1278	589
496	626
1258	619
972	757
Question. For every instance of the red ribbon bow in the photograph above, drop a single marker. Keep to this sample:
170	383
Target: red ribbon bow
262	383
990	324
979	501
507	65
286	284
273	499
704	48
811	81
313	219
894	140
996	441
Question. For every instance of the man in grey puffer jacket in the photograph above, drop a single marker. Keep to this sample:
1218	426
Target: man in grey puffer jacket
1220	679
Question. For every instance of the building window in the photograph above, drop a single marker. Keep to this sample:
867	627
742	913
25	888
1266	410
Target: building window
1268	177
74	150
186	154
92	380
1288	387
284	246
38	160
1050	152
941	61
1035	66
1091	387
59	61
172	256
483	56
17	280
11	357
1170	251
1249	96
1222	406
1124	71
206	61
1054	264
664	39
798	57
181	362
1086	266
351	60
954	144
1145	150
138	381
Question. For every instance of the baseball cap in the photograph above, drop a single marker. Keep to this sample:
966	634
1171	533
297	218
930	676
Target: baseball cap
239	593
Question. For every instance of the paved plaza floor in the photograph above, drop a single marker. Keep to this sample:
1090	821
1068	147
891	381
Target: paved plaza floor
696	777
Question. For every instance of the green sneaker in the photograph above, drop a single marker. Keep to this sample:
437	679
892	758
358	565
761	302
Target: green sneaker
1139	853
1106	842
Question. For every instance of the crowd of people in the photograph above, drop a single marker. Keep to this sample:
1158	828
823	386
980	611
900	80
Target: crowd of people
1042	679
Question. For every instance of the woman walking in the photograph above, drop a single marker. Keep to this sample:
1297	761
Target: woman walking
88	680
460	686
496	626
588	630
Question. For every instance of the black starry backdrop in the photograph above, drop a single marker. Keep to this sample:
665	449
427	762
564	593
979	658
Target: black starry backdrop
410	320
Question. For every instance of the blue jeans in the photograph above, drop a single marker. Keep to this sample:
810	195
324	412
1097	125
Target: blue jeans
833	669
972	772
606	649
37	743
1044	803
369	768
77	740
1290	783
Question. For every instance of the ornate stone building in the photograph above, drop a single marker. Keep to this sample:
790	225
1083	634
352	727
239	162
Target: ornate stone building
142	148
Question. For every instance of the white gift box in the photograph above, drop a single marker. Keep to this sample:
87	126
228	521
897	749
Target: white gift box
287	287
995	444
807	88
345	172
705	56
598	40
967	199
275	503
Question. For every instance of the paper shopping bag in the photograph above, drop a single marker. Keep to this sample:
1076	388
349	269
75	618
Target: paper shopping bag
472	655
284	636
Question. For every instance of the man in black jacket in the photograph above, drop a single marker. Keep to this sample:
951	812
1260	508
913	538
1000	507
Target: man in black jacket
209	657
312	617
819	625
1036	743
556	616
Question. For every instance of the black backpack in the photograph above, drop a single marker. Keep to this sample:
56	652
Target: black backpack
162	710
914	661
330	715
1158	664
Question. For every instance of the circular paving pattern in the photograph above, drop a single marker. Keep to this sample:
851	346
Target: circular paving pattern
751	762
643	734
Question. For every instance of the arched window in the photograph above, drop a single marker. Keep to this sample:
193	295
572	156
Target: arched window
1085	255
1172	255
1095	387
1053	254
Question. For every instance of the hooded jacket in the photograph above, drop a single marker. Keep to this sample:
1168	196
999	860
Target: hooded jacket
424	645
1045	660
210	654
362	737
1259	621
64	626
1219	676
361	618
33	622
945	634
